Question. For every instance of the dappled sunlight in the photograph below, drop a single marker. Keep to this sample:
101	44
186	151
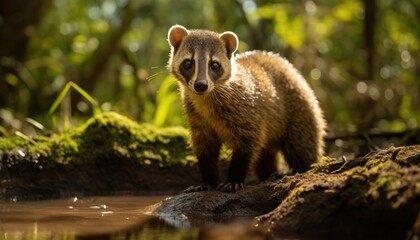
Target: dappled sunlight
89	107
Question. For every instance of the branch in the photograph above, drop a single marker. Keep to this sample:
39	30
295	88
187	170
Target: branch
89	76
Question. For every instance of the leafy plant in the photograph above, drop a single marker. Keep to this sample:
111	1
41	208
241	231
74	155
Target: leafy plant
62	95
165	100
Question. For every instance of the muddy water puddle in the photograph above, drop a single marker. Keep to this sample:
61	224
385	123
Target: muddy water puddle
87	218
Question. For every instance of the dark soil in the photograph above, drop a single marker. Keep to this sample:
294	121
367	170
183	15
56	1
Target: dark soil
101	178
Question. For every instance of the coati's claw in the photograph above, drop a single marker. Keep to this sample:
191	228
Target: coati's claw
230	187
200	188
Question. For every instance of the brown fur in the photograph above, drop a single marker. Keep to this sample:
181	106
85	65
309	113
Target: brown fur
257	106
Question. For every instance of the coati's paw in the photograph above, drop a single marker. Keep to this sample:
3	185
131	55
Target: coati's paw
231	187
200	188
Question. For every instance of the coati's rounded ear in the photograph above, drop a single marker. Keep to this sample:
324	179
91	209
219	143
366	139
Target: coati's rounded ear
231	42
175	35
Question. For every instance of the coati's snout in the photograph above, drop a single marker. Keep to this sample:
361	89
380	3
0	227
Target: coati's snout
201	60
200	86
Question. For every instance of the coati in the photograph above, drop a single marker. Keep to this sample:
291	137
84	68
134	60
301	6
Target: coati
256	103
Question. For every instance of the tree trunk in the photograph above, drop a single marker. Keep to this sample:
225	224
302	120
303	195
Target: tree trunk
18	21
90	74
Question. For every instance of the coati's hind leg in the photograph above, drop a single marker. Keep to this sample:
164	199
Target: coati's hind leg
301	148
266	163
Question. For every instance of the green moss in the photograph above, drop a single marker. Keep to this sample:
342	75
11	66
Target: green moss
109	135
12	142
381	181
296	194
384	182
24	144
326	165
65	147
117	135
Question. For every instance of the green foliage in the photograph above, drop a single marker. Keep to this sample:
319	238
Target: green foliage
82	92
284	22
111	50
61	97
2	131
165	99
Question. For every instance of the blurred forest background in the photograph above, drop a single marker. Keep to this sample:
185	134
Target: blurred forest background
361	56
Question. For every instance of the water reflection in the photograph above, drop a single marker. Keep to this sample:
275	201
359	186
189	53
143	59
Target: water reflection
112	218
90	218
150	228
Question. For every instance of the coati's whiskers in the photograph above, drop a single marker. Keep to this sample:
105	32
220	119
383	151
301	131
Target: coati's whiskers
160	67
154	75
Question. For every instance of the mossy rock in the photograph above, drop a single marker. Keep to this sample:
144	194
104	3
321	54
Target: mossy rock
372	197
109	152
108	135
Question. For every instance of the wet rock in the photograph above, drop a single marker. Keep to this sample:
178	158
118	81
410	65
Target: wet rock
214	206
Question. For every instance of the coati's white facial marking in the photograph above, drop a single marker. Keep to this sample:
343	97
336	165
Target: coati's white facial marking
201	60
200	83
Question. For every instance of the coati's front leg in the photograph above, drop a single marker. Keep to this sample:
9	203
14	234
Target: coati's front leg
206	146
243	154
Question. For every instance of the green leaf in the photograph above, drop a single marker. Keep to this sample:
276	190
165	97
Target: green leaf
59	99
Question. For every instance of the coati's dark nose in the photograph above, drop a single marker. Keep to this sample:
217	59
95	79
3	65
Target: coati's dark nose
200	86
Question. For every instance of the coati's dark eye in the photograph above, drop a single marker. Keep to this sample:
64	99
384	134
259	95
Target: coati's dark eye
187	64
215	66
